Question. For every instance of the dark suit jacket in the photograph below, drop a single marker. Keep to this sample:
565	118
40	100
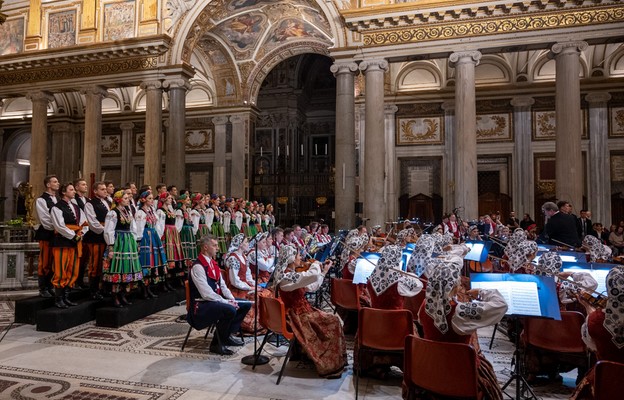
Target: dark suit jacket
589	230
562	228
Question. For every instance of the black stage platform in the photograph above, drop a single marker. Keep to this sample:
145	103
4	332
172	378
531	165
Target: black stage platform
113	317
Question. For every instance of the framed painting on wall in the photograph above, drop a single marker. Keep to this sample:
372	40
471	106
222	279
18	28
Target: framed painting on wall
12	36
494	127
118	20
419	131
62	29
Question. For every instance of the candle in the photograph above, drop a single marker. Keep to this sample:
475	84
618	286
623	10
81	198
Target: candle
302	149
260	151
278	151
287	154
325	148
316	149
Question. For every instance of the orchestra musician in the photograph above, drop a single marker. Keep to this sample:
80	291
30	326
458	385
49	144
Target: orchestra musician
319	333
447	319
603	331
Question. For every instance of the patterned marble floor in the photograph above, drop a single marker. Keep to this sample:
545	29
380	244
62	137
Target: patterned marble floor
142	360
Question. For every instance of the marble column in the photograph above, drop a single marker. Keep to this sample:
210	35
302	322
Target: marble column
39	139
391	199
65	151
240	146
344	189
153	133
126	152
92	141
599	176
175	160
374	151
448	178
522	181
568	123
218	167
466	185
7	170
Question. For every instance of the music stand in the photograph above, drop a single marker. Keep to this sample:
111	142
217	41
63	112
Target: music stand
538	295
255	358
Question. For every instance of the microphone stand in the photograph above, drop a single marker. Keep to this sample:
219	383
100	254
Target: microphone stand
255	358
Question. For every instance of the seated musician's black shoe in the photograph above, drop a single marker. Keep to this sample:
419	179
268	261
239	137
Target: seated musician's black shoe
232	341
222	350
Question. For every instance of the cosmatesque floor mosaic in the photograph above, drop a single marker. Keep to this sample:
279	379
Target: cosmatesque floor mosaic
142	361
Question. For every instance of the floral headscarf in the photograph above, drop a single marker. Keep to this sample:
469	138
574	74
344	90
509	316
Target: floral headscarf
614	311
597	251
287	255
402	236
236	242
517	236
549	264
257	239
117	198
441	241
442	280
357	242
518	257
422	253
386	272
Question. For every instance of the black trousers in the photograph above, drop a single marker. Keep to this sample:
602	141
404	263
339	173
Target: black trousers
227	317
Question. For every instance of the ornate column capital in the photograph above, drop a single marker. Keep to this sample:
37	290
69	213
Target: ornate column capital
126	126
448	105
374	65
343	67
390	109
177	83
237	119
40	97
94	90
522	101
151	85
568	47
462	57
597	98
220	120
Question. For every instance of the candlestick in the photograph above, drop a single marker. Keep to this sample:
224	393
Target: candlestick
260	151
316	149
302	149
278	151
287	153
325	148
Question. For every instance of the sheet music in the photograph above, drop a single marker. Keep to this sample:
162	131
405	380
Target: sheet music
521	297
600	275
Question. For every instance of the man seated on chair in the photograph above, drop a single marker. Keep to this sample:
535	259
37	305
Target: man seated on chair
211	300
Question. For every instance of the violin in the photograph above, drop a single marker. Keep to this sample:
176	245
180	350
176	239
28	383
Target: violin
305	265
600	301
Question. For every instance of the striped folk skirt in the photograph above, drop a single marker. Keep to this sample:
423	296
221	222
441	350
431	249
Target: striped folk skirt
189	243
219	234
124	266
152	256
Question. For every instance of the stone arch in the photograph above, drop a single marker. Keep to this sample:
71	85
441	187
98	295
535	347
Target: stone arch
419	75
615	62
544	67
11	148
274	57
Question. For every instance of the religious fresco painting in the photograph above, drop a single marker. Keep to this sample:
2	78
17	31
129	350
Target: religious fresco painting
416	131
294	28
12	36
62	29
240	4
118	20
617	122
243	31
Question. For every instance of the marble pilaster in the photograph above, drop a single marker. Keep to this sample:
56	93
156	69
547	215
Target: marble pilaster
240	146
568	123
391	199
466	185
448	183
374	151
126	151
39	139
218	167
345	194
153	133
175	160
92	141
7	169
522	180
599	174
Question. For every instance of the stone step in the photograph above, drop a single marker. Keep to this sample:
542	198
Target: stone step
114	317
26	309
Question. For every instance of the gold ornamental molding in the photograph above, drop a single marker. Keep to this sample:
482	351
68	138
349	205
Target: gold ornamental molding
557	19
60	72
